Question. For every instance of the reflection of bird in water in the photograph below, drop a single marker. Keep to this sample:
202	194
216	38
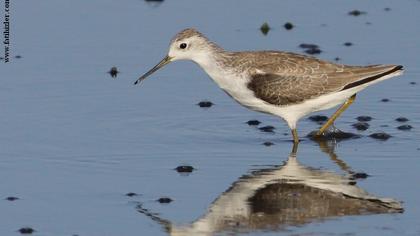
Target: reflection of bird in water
286	195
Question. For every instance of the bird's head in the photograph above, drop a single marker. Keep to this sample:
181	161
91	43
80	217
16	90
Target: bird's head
189	44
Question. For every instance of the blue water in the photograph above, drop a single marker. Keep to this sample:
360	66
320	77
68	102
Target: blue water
74	141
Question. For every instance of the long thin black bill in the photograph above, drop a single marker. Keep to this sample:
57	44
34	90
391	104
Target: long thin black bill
164	61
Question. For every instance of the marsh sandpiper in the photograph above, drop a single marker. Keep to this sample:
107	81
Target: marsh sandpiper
283	84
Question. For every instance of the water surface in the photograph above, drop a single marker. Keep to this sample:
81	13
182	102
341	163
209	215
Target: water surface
74	141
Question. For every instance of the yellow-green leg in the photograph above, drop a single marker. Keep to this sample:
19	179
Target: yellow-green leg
336	114
295	136
294	149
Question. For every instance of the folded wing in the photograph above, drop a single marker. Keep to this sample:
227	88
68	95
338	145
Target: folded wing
286	87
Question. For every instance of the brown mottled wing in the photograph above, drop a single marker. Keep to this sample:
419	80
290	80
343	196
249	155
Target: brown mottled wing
292	88
286	89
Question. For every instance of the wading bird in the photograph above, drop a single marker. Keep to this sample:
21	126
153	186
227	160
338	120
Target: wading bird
283	84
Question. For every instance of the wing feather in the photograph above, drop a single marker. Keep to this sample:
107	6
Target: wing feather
298	79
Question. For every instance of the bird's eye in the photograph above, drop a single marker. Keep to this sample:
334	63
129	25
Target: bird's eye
183	45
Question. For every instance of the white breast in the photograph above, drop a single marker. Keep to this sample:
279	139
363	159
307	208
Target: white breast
235	85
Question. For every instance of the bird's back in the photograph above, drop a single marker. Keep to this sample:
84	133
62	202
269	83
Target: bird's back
288	63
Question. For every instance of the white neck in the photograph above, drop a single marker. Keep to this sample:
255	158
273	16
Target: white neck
214	64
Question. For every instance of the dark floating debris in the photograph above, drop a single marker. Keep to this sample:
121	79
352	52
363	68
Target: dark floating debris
131	194
164	200
184	169
268	129
205	104
26	230
1	58
348	44
361	126
404	127
308	45
364	118
18	56
387	9
154	3
337	59
413	83
268	144
288	26
310	48
385	100
113	72
313	51
318	118
401	119
12	198
357	13
265	28
380	136
253	122
359	175
335	134
332	133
